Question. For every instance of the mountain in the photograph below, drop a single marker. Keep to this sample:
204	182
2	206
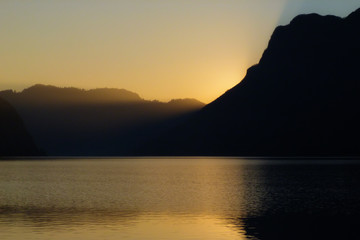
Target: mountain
77	122
301	99
40	92
14	139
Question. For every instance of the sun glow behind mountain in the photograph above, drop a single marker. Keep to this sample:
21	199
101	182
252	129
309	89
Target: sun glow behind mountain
159	49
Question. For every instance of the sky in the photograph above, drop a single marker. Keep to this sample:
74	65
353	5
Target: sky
160	49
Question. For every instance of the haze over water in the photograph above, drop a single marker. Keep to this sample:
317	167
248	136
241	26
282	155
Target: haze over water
163	198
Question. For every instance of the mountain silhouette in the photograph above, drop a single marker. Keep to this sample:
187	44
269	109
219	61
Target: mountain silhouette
301	99
14	139
97	122
40	92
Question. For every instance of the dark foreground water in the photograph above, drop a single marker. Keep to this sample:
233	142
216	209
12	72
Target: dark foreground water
179	198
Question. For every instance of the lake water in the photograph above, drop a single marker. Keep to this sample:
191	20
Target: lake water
179	198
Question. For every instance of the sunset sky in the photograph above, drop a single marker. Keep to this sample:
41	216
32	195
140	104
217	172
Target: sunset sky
159	49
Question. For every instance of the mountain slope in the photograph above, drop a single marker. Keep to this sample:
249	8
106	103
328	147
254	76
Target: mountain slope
301	99
41	92
14	139
76	122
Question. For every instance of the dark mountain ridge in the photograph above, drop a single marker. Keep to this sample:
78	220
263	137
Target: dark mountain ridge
40	92
301	99
77	122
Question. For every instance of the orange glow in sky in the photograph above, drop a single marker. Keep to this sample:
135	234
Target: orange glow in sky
159	49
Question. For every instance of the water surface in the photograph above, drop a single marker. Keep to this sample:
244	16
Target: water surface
178	198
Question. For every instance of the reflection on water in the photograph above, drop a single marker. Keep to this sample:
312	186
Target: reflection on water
120	198
119	225
183	198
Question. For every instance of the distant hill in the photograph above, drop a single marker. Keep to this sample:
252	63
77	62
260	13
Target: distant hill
302	99
77	122
40	92
14	139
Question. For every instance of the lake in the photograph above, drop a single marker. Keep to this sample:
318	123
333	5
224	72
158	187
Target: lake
179	198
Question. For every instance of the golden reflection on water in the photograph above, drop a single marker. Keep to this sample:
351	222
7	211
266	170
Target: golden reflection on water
160	226
122	199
